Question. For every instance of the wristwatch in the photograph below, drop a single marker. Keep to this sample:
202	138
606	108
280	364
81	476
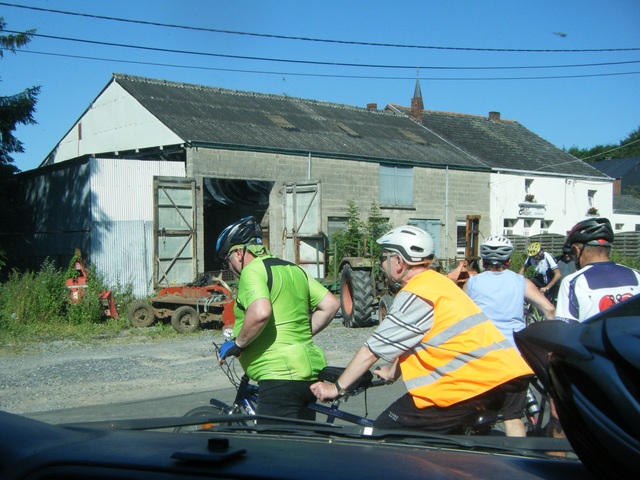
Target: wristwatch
341	391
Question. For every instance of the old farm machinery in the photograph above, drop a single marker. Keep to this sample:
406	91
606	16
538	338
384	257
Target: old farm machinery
208	299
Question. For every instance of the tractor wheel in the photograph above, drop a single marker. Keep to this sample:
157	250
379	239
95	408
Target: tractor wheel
185	320
141	314
356	297
383	306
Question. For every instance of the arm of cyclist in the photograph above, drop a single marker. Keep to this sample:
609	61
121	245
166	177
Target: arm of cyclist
363	360
536	297
255	319
557	275
389	374
324	313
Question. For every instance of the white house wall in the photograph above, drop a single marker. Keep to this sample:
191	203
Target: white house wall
122	219
625	222
115	121
559	203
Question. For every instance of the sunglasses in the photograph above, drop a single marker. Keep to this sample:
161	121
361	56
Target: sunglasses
384	257
228	257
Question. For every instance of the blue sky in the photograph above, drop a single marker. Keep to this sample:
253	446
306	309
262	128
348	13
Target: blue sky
458	40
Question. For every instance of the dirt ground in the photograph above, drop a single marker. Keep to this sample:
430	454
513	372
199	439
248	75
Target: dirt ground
67	374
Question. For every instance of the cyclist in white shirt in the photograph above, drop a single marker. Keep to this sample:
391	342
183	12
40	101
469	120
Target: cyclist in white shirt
547	276
600	283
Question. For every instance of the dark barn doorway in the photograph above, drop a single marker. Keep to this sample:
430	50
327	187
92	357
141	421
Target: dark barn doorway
228	200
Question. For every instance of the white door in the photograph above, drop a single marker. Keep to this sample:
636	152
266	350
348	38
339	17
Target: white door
304	241
175	231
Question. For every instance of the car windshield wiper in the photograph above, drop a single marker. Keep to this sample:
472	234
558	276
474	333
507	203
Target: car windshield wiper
529	446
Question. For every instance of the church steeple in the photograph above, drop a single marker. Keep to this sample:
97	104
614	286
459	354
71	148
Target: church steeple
417	93
416	103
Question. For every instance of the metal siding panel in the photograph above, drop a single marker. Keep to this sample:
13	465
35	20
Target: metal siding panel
122	214
123	253
123	189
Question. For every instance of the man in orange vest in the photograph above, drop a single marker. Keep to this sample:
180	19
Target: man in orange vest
452	358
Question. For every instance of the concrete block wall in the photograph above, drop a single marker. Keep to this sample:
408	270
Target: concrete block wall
344	180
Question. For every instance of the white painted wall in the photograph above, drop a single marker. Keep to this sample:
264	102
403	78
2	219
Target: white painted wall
559	202
114	122
625	223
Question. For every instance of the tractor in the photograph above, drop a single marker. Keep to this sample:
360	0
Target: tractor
207	299
362	289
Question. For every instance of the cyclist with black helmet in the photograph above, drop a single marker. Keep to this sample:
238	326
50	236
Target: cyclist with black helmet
565	262
500	293
279	307
600	283
547	275
452	358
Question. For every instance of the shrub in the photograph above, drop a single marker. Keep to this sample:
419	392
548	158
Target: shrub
358	239
36	306
31	297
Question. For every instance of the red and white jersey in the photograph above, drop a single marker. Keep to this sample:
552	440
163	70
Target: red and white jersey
595	288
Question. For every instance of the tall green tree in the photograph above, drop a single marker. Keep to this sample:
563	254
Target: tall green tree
358	239
17	108
629	147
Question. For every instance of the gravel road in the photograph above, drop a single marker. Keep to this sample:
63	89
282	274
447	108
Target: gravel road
67	374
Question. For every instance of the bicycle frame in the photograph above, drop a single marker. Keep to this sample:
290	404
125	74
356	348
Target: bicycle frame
246	400
246	397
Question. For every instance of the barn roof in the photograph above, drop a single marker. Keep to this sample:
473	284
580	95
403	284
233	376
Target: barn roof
279	123
223	118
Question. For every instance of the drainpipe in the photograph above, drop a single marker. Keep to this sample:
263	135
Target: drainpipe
446	213
309	168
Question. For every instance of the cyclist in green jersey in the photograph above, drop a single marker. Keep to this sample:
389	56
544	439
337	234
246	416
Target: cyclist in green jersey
279	307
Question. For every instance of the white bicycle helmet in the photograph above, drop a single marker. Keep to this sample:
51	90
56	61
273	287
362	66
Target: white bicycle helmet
412	243
496	249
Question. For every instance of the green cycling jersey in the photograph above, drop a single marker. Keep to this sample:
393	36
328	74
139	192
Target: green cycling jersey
284	349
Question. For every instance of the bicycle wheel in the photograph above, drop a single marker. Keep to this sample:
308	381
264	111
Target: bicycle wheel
216	408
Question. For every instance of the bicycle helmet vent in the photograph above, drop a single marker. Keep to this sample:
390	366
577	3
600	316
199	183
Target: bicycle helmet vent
533	249
593	231
496	249
243	232
412	243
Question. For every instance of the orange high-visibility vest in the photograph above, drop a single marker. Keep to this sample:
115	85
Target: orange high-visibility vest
463	354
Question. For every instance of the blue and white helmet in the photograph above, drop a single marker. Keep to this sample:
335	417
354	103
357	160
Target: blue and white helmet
496	249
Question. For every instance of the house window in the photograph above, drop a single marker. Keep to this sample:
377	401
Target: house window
528	225
335	225
396	186
619	226
637	227
592	195
527	185
545	225
508	224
